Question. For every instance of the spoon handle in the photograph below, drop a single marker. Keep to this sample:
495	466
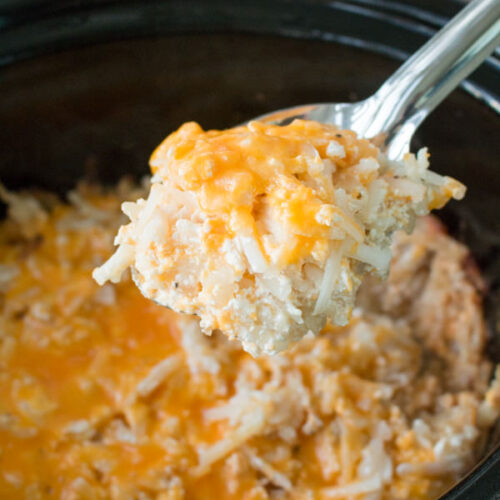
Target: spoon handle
427	77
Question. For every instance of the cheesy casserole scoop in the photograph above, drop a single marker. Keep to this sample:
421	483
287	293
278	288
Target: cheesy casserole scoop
265	231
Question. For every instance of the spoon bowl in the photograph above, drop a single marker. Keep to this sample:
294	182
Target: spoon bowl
391	116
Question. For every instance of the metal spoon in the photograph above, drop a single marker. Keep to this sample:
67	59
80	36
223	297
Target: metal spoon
395	111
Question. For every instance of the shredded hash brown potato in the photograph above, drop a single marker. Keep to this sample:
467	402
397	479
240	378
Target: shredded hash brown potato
265	231
106	395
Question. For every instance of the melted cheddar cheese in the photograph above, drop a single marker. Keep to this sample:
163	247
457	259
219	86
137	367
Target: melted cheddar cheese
106	395
231	170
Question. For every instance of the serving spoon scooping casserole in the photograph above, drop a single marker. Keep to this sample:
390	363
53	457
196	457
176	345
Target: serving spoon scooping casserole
264	231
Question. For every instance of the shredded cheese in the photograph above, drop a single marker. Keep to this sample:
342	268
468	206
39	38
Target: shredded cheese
106	395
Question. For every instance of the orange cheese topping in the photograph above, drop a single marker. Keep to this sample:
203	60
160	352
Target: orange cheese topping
231	170
105	395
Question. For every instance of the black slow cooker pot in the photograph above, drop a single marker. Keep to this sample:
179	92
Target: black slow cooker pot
89	88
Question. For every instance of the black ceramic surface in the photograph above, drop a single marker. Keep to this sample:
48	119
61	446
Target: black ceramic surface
87	89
